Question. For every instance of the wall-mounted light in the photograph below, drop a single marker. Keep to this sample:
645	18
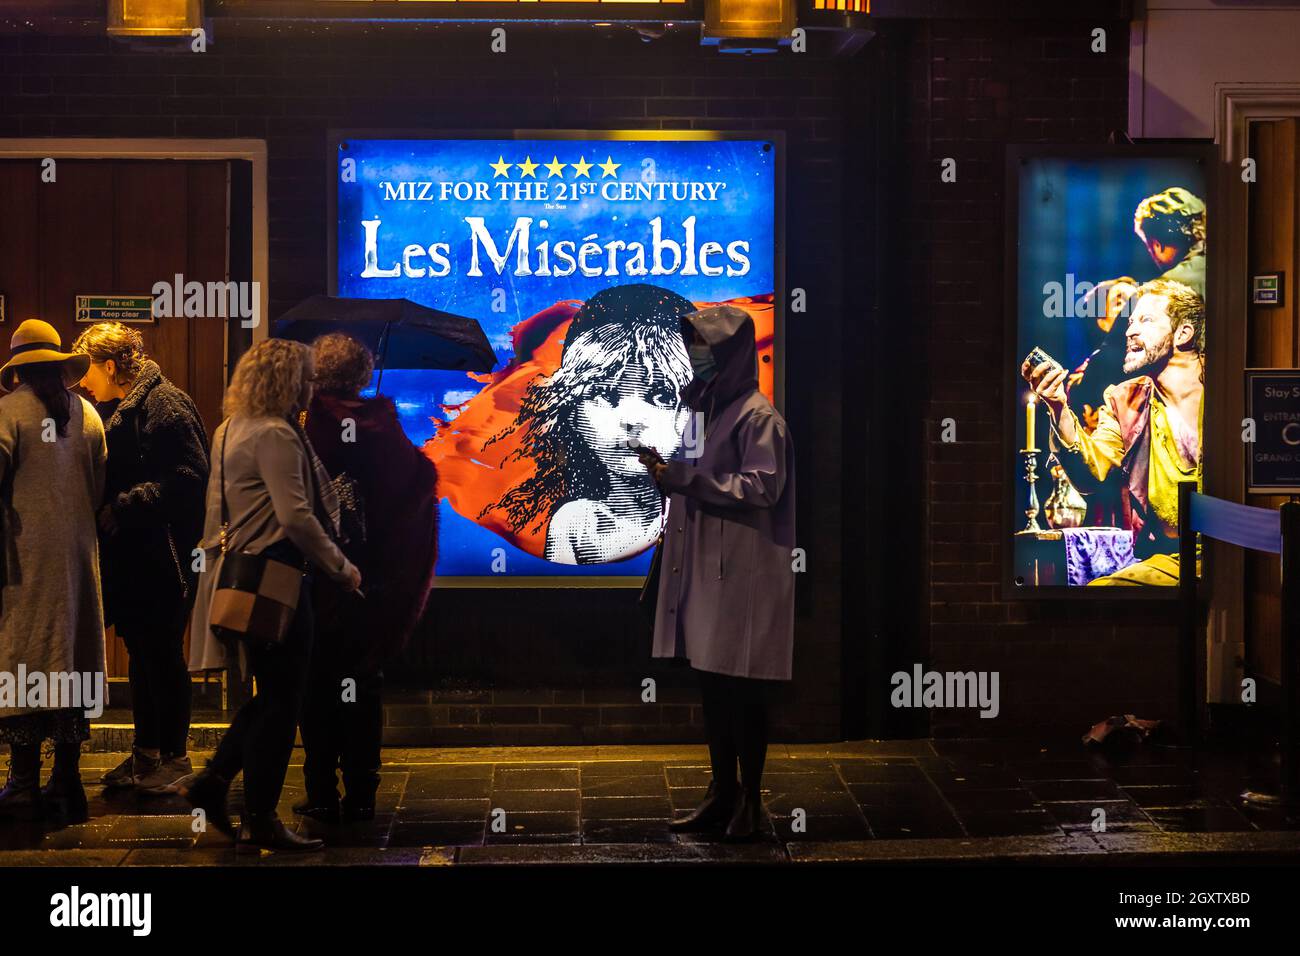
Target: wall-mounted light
154	18
749	19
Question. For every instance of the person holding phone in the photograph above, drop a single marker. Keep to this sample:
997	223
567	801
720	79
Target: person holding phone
726	589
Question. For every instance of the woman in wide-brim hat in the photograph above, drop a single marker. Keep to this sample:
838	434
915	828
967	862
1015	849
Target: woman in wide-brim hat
38	343
51	620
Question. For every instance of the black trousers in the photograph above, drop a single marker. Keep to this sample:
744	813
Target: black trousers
161	694
736	725
342	725
260	739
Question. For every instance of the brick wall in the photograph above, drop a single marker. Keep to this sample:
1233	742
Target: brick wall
558	665
972	88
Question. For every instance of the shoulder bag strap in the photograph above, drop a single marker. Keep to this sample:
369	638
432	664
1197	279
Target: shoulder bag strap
225	507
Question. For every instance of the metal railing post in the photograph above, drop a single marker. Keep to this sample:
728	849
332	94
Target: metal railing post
1188	631
1290	629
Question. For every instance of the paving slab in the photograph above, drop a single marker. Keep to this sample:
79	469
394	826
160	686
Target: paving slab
862	801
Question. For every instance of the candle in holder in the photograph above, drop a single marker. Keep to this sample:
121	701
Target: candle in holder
1031	407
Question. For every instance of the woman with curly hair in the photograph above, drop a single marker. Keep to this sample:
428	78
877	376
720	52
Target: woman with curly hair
279	503
149	523
621	370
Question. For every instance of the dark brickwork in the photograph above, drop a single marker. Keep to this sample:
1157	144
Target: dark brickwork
972	88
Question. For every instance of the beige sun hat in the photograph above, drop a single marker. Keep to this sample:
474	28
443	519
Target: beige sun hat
35	342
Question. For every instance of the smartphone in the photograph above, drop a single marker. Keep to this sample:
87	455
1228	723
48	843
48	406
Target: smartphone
638	446
1037	357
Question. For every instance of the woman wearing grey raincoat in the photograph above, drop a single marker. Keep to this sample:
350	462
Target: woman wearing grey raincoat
726	590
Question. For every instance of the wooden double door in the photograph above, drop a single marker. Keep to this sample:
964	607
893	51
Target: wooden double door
115	227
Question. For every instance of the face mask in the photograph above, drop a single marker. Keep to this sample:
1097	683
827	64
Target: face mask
702	361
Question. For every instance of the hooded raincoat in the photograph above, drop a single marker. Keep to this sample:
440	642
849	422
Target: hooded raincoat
726	590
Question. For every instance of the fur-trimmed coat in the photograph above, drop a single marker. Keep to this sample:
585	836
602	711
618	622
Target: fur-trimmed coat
399	487
157	473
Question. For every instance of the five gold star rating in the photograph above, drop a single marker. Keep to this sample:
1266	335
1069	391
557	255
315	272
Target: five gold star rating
555	168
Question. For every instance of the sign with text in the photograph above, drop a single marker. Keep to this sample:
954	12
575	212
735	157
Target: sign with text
1273	407
578	254
137	309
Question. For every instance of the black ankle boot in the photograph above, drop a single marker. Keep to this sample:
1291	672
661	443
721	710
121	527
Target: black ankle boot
713	813
748	820
208	793
64	795
21	797
323	811
266	831
359	810
359	787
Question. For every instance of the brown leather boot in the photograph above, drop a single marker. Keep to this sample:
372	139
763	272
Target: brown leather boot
266	831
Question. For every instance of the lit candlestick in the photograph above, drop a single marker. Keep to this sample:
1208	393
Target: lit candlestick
1031	407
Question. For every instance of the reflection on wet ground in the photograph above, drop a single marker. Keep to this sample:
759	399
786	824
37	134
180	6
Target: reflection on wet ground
896	801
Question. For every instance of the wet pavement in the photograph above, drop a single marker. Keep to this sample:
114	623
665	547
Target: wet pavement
899	801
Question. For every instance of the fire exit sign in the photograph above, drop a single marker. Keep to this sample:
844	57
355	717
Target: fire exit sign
115	308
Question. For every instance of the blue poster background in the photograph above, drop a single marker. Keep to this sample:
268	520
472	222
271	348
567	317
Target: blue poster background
742	208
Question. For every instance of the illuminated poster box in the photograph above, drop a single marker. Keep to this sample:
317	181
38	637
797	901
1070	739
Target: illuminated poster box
521	231
1106	271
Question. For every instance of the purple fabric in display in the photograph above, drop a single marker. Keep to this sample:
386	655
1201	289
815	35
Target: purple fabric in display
1093	552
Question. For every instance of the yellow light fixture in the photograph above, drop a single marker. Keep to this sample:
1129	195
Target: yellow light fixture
749	19
154	18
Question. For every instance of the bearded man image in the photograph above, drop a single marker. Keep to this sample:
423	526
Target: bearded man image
1149	428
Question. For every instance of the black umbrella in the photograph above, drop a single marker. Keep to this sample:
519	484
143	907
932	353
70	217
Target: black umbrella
400	333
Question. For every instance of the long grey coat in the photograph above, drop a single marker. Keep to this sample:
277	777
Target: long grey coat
51	619
726	592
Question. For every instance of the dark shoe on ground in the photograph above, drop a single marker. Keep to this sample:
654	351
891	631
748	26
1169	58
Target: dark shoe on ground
125	773
322	811
165	775
21	801
266	831
208	793
65	801
21	797
750	820
64	795
355	811
712	814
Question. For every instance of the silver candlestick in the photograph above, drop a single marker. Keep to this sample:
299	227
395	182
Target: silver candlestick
1031	476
